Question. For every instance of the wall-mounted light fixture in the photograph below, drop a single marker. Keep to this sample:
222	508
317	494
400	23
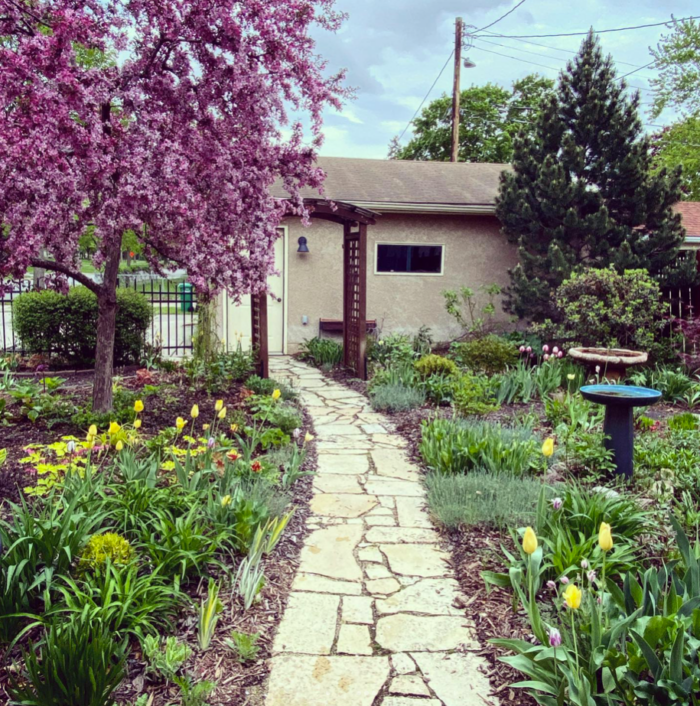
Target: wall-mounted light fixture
303	247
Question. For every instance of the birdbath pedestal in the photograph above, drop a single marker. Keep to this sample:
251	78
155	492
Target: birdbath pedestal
619	400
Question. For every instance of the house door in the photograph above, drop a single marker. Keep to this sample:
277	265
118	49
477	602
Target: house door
275	301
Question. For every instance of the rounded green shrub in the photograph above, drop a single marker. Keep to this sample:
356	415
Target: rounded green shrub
110	547
435	365
65	325
488	354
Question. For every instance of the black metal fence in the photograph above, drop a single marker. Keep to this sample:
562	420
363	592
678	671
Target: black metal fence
174	305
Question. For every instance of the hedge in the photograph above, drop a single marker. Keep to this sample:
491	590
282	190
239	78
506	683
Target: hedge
65	325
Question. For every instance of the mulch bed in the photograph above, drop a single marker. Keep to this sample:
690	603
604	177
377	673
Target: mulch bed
237	684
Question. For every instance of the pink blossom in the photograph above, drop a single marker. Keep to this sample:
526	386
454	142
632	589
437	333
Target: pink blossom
584	564
555	349
529	349
557	504
560	354
546	356
551	585
545	348
564	580
592	576
522	349
554	637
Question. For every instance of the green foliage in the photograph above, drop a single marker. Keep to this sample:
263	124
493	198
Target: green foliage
473	395
582	191
395	349
322	352
676	386
490	118
450	446
165	657
78	664
604	308
102	548
244	645
487	354
122	409
266	386
391	397
435	365
684	422
671	151
65	325
480	497
217	371
439	389
462	306
210	609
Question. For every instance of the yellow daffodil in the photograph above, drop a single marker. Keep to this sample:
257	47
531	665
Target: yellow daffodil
219	405
114	428
276	395
548	447
234	428
572	596
226	501
529	541
222	413
308	437
194	412
92	431
605	539
137	424
138	406
180	423
119	445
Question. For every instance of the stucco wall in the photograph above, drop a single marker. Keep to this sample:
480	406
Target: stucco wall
475	254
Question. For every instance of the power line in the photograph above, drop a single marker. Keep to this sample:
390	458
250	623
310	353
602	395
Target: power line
599	31
502	17
442	70
634	71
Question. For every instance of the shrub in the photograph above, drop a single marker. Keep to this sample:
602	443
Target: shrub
322	352
482	498
439	389
489	354
604	308
266	386
451	446
106	547
65	325
473	394
394	349
435	365
396	397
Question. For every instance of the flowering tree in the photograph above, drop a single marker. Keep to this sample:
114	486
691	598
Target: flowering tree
160	117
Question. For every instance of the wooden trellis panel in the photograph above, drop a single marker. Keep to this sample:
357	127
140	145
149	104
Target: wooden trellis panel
258	313
355	298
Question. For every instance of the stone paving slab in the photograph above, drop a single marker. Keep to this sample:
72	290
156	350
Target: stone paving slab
374	616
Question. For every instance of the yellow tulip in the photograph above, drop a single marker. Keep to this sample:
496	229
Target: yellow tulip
570	376
548	447
205	426
114	428
92	431
219	405
180	423
276	395
119	445
222	413
308	437
194	412
605	539
529	541
572	596
234	428
138	406
137	424
225	501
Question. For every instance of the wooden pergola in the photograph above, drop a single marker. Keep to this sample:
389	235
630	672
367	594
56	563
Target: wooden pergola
355	221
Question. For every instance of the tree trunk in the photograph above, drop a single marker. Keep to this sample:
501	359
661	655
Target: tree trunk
106	330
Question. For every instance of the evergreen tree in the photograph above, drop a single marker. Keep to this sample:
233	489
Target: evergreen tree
582	192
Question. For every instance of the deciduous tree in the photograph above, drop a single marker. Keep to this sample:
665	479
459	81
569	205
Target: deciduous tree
163	117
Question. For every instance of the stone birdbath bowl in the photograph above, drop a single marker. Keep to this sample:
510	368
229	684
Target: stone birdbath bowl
613	362
619	400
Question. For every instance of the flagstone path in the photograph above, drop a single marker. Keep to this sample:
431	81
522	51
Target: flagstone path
373	618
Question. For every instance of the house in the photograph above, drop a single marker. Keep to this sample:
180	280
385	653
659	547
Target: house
430	226
435	229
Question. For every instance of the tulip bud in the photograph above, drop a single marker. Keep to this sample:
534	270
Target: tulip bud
138	406
276	394
570	376
529	349
70	447
92	431
119	445
548	447
137	424
180	423
572	596
546	356
557	504
551	585
555	350
211	443
219	405
591	576
605	539
194	412
564	580
560	354
545	348
529	541
584	564
522	349
554	637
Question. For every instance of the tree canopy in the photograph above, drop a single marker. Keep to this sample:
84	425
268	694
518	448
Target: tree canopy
679	145
160	117
490	118
582	192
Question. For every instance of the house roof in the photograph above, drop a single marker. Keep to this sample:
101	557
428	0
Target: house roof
690	217
385	185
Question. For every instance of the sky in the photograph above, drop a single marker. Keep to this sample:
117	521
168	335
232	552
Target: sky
394	49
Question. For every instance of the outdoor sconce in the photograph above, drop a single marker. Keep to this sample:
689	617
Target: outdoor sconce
303	247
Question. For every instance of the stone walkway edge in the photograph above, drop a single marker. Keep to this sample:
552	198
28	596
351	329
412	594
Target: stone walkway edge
373	617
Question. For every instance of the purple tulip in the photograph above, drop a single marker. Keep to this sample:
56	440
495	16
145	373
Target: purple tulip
554	637
545	348
551	585
211	443
557	504
522	349
529	349
565	580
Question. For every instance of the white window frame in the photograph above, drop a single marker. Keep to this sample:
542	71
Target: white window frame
409	274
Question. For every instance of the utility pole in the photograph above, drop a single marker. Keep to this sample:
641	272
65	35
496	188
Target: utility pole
456	89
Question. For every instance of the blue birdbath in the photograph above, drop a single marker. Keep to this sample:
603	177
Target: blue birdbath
619	400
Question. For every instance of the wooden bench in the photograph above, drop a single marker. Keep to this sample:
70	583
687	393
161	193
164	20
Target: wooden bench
336	325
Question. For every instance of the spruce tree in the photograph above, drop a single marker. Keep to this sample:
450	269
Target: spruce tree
581	192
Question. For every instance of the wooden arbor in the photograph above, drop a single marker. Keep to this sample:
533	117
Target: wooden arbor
354	221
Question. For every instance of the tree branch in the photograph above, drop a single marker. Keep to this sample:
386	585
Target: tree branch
58	267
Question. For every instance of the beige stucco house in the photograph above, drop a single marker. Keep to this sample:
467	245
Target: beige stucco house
435	230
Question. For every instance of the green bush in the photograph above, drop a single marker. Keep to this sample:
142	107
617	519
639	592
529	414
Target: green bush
439	389
435	365
266	386
65	325
489	354
322	352
482	498
394	349
450	446
473	394
396	397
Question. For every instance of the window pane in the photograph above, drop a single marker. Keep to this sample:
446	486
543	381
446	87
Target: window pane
420	259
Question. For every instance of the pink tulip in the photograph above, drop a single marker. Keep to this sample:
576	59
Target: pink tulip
529	349
545	348
554	637
565	580
559	354
555	350
522	349
546	356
